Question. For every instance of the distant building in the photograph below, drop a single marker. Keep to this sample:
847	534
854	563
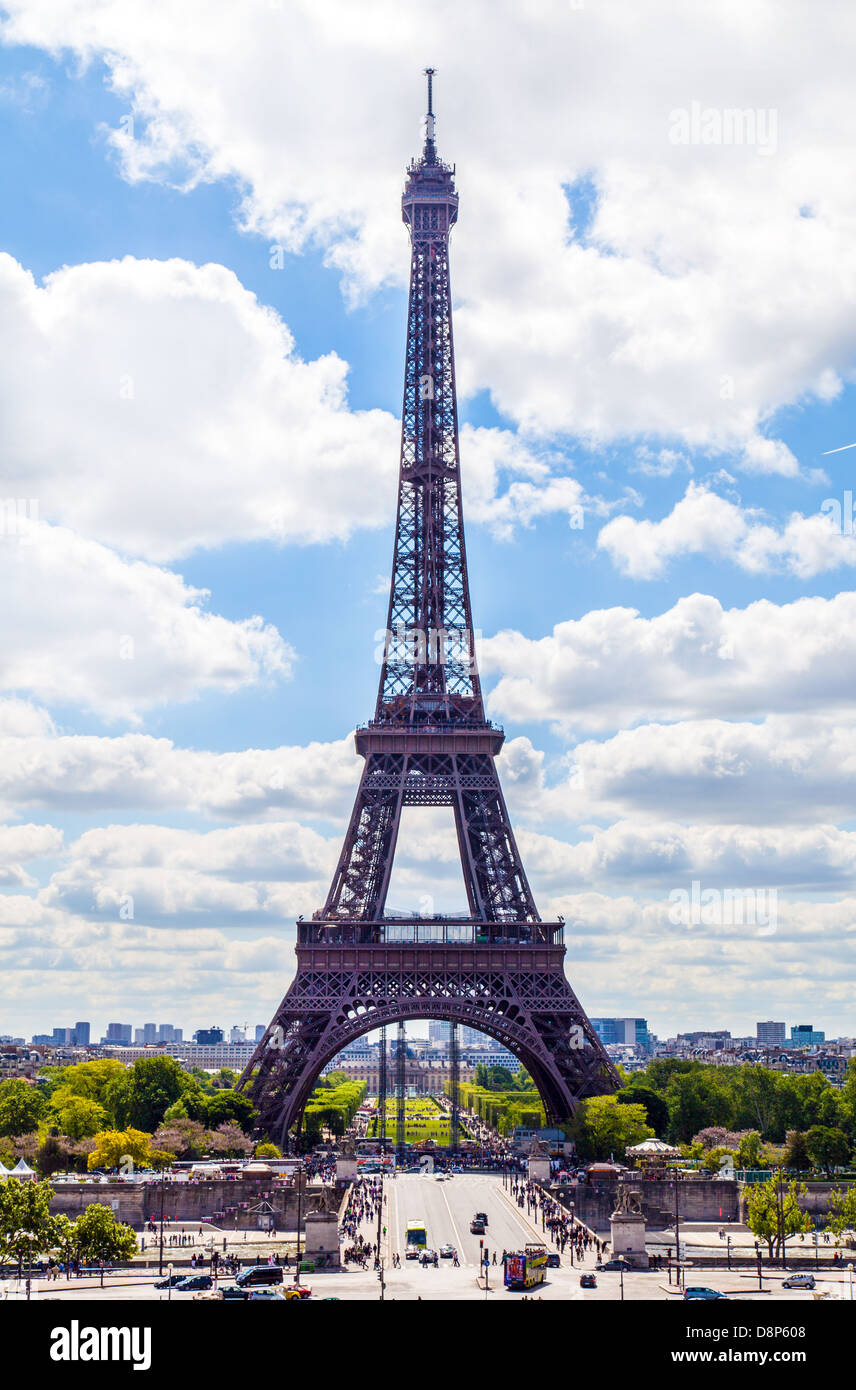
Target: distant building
261	1029
80	1034
708	1040
805	1035
237	1035
491	1056
208	1037
630	1031
118	1033
61	1037
770	1034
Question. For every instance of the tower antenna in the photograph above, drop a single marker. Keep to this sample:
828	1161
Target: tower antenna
430	149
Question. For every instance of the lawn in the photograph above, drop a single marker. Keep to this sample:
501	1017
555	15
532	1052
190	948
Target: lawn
424	1120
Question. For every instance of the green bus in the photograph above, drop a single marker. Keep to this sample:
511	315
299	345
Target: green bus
415	1239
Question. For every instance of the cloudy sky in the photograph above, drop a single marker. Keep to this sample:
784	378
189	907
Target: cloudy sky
202	300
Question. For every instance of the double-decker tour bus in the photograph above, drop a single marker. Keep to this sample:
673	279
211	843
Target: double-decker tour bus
526	1268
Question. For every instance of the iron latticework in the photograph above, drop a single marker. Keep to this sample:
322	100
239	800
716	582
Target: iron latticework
500	968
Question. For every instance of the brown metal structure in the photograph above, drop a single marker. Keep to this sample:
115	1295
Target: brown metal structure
499	969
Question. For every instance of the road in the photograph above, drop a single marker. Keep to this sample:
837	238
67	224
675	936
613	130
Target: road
447	1209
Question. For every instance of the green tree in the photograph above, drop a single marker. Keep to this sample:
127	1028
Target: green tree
758	1101
696	1099
523	1081
22	1106
91	1080
829	1148
229	1107
796	1153
773	1212
26	1225
748	1153
78	1116
99	1236
656	1109
602	1127
268	1151
841	1215
150	1087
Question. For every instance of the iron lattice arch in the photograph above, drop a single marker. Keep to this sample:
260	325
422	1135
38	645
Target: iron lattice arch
532	1012
500	969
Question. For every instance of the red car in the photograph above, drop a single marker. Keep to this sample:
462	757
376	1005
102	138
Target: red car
296	1291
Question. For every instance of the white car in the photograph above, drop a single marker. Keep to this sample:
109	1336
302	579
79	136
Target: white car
798	1281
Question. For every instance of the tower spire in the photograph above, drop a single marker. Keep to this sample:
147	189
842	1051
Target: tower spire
430	151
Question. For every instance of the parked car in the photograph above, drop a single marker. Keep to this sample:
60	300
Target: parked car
263	1295
477	1226
799	1281
259	1275
614	1264
298	1291
233	1291
588	1281
703	1293
194	1282
447	1252
170	1281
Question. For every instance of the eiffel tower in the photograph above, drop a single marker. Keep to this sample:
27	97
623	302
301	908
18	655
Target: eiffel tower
499	968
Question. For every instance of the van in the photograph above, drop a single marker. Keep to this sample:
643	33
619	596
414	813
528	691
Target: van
259	1274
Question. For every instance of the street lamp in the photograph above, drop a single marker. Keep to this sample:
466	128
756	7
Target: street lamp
850	1272
169	1285
677	1230
160	1256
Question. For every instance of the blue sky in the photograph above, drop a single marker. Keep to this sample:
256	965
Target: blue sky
658	335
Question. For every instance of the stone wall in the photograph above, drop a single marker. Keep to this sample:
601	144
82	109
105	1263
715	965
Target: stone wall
225	1203
700	1200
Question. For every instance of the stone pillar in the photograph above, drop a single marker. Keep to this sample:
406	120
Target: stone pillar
346	1168
539	1168
322	1239
628	1238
